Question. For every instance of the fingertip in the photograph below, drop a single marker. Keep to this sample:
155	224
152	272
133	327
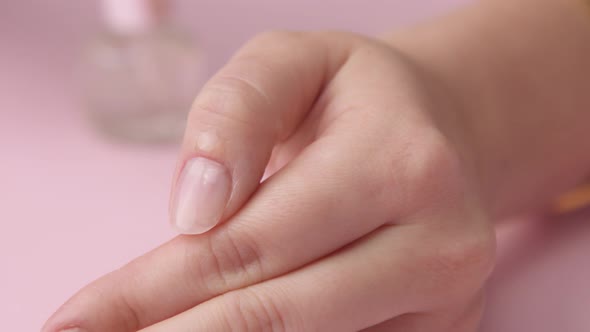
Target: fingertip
203	191
57	323
190	228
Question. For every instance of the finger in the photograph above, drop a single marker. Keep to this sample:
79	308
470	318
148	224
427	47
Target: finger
305	134
277	231
255	101
386	274
286	151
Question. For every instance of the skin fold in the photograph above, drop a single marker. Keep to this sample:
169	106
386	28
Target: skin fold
386	162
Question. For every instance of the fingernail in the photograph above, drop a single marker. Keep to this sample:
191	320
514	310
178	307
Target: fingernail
74	329
203	191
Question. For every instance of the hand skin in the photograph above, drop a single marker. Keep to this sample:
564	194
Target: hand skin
387	163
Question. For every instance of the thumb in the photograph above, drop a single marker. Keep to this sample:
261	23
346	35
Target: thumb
255	101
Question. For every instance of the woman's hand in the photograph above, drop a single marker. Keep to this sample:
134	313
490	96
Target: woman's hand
370	217
384	165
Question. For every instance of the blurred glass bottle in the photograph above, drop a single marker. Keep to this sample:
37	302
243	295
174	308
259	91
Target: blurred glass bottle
140	75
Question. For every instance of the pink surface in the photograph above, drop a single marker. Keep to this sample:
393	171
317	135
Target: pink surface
74	207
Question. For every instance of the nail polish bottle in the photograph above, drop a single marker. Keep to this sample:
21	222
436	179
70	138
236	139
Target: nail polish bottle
140	74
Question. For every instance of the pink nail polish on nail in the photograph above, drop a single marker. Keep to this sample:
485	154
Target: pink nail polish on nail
202	194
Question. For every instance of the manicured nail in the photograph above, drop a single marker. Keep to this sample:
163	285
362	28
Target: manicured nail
74	329
202	194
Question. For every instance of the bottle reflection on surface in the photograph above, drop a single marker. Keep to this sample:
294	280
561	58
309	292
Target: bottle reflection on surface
140	75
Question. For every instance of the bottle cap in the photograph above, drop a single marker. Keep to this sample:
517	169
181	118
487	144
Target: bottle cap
133	16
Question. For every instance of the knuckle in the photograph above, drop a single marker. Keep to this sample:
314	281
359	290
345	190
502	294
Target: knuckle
247	310
463	263
131	311
426	171
229	100
236	84
434	161
224	264
240	95
466	254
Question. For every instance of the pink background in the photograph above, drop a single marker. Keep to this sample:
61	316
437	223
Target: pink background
73	207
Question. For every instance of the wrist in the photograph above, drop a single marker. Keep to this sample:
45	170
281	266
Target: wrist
519	89
435	50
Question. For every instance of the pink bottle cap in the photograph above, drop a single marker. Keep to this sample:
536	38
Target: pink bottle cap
133	16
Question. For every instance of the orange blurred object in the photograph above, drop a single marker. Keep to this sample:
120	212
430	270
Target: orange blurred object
574	200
